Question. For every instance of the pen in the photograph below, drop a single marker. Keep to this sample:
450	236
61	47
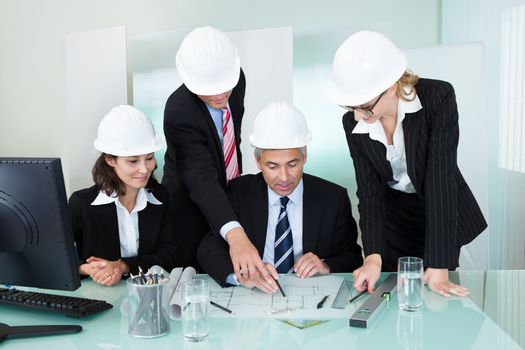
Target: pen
280	288
141	275
136	279
221	307
357	296
320	304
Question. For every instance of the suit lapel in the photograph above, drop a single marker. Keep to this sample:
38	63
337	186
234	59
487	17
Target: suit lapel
412	131
205	114
311	217
107	229
147	227
260	214
377	153
211	125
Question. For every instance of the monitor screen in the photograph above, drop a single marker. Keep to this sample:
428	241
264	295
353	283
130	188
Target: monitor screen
36	237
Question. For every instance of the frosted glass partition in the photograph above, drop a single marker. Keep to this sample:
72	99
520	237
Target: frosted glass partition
95	84
266	58
328	155
328	152
500	26
462	66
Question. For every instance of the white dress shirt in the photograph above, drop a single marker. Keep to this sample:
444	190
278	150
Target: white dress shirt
128	223
395	153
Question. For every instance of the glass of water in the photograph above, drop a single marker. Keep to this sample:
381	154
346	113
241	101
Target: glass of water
195	303
410	283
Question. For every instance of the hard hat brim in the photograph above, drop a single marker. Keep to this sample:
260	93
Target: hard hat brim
207	89
343	98
287	143
114	150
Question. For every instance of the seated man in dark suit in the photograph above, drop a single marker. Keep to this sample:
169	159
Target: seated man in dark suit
298	222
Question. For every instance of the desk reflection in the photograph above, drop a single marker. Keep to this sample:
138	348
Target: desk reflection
410	330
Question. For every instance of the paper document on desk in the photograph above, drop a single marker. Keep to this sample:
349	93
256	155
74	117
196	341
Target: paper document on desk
302	297
177	277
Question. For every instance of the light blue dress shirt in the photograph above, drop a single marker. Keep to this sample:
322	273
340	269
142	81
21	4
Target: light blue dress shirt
216	116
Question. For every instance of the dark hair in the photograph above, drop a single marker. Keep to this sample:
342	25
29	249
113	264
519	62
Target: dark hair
107	180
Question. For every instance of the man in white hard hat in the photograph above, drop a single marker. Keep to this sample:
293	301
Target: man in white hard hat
298	222
202	125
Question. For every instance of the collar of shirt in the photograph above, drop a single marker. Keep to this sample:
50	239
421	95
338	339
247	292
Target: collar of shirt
373	129
143	197
377	132
295	197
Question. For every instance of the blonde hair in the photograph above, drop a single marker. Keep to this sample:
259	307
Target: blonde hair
406	86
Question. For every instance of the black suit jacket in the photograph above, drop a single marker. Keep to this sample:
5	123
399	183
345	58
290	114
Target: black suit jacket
194	171
452	215
95	229
329	230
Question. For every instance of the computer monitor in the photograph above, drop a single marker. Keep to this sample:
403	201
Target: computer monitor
36	237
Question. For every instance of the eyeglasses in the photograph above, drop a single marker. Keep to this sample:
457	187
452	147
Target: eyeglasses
366	110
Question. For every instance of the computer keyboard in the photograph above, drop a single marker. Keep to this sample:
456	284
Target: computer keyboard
69	306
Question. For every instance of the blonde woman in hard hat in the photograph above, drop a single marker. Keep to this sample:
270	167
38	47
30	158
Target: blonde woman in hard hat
402	132
202	125
122	222
299	223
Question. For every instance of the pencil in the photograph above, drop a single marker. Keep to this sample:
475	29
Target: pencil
221	307
280	288
357	296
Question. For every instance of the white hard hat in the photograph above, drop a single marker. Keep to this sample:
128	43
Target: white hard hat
366	64
207	61
280	126
126	131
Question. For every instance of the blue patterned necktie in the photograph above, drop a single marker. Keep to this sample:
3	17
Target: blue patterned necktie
283	253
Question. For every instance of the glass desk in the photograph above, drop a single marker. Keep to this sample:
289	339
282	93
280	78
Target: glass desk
492	318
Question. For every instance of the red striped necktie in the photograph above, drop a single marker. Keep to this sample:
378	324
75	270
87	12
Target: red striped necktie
229	146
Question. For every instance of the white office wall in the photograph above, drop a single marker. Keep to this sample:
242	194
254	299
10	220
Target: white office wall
91	78
500	25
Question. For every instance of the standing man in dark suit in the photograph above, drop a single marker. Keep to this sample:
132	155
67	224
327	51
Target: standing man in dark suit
298	222
202	125
403	134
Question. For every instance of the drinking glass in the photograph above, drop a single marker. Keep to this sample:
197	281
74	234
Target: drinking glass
195	303
410	283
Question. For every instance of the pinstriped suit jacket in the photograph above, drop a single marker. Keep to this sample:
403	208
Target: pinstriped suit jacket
453	217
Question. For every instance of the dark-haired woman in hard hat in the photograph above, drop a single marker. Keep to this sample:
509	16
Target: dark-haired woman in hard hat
403	133
122	222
